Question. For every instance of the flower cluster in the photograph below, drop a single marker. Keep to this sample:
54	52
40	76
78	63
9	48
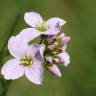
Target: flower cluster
30	59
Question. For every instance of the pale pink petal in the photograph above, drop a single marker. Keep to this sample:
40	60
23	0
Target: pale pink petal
54	21
29	34
52	47
64	58
61	35
54	26
40	53
34	73
64	47
63	39
54	70
49	59
32	18
50	38
42	49
32	50
52	31
12	69
17	46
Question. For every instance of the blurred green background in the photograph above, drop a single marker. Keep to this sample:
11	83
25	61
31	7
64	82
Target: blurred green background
79	78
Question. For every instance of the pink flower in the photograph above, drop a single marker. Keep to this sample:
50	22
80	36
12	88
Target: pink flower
24	61
54	70
39	26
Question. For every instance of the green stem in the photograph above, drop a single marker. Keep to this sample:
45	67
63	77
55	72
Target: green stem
42	39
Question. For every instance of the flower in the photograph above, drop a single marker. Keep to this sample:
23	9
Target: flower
39	26
24	61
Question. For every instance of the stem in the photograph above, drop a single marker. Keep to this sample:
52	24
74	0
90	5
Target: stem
42	39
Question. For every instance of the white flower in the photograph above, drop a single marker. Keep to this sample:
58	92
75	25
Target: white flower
40	26
24	62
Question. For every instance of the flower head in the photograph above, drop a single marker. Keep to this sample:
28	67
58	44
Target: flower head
24	61
28	58
40	26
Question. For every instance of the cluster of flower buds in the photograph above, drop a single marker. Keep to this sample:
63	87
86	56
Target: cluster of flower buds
29	59
57	54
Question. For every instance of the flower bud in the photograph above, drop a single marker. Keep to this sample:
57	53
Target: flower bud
50	38
64	58
54	70
49	59
52	47
64	40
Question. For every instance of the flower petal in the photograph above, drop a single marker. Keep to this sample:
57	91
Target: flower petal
52	31
64	47
65	58
39	54
54	25
55	21
32	50
42	49
29	34
12	69
63	39
51	38
32	18
35	72
17	46
62	35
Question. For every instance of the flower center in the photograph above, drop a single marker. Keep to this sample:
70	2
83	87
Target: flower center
42	27
26	61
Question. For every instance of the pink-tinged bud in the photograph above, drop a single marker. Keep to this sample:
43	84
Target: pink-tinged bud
52	47
61	60
49	59
64	40
54	70
50	38
64	58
